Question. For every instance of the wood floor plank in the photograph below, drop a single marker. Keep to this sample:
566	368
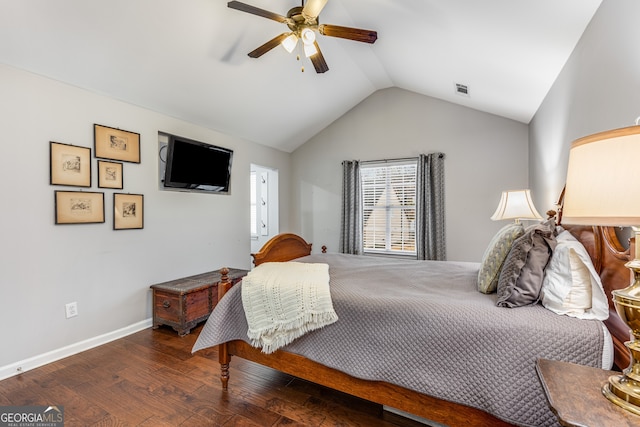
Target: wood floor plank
205	403
158	422
300	414
74	403
109	421
241	421
250	405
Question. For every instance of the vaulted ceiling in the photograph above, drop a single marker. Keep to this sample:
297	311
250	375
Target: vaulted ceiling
188	58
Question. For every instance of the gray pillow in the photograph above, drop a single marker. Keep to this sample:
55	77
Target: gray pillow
522	274
494	256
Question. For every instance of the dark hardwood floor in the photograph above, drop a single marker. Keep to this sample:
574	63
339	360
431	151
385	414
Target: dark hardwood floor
150	378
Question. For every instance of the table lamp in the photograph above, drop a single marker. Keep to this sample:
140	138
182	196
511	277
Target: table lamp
603	188
516	205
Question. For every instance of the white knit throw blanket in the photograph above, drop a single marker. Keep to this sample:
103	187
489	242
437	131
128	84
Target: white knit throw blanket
285	300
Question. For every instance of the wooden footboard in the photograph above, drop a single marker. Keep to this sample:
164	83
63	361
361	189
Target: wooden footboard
375	391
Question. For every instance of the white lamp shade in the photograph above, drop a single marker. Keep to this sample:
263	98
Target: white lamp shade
603	179
516	204
290	42
308	36
310	50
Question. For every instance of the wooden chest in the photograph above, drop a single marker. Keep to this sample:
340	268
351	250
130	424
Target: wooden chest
185	302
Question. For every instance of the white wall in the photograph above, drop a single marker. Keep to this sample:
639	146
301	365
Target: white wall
596	91
485	154
43	265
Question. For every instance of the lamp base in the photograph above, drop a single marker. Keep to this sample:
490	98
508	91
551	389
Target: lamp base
623	392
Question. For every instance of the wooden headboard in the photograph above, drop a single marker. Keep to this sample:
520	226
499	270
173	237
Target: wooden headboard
283	247
609	256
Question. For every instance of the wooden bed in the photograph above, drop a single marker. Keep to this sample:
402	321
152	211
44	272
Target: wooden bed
608	256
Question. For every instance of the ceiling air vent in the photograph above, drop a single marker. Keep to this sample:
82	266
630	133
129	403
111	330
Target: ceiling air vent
462	89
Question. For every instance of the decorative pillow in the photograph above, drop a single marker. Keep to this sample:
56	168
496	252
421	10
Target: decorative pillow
522	274
494	256
571	285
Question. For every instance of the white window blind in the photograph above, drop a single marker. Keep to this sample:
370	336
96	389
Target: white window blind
389	207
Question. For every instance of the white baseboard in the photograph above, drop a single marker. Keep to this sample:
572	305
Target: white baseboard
51	356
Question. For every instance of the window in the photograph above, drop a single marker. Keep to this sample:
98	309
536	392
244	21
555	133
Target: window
263	203
389	207
253	194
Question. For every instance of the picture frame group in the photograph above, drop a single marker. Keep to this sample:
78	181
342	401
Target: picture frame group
70	165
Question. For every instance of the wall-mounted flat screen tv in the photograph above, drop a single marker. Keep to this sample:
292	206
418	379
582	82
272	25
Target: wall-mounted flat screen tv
197	166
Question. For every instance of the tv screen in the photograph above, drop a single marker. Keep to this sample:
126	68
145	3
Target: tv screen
193	165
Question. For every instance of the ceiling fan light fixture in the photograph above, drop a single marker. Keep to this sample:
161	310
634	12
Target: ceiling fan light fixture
308	36
290	42
310	50
302	22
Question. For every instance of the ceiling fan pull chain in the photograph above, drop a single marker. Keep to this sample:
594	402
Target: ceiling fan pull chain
298	57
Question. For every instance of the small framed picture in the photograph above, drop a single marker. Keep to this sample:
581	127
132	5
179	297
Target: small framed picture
109	174
128	211
70	165
79	207
116	144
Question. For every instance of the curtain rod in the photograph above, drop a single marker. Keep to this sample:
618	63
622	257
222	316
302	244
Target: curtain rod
388	160
440	155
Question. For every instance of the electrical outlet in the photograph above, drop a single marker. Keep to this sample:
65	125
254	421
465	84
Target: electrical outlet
71	309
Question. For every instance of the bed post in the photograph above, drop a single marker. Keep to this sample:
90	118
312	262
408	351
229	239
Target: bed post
223	349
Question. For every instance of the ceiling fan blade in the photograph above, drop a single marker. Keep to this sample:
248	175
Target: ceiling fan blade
312	9
256	11
258	52
317	59
359	35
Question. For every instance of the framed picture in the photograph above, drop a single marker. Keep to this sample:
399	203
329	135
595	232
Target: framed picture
109	174
128	211
79	207
116	144
69	165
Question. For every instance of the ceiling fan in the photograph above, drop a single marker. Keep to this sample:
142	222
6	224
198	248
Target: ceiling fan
303	24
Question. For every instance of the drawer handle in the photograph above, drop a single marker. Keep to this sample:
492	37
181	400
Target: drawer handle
166	304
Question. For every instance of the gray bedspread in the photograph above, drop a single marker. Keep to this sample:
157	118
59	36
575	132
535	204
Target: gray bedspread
424	326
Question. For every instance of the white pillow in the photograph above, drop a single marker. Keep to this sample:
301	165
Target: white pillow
571	285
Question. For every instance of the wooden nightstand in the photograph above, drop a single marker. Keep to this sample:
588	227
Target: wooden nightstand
185	302
575	397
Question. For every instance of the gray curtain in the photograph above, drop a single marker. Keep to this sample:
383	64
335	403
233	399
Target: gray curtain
351	227
430	227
